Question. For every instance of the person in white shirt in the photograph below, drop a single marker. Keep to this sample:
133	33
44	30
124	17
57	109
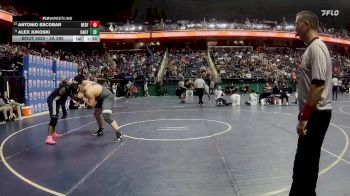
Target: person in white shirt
199	85
315	107
235	98
253	98
335	82
219	94
145	88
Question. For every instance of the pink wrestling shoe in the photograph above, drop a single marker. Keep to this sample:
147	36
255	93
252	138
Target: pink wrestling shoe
49	140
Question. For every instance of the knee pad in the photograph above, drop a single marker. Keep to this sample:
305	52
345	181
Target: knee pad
53	122
107	117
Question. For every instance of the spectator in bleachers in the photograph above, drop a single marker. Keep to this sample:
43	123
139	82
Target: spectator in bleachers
246	24
166	24
277	63
187	62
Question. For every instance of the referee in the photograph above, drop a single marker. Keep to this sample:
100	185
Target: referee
199	85
314	96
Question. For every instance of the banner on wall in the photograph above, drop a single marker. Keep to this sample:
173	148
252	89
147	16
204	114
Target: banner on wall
42	76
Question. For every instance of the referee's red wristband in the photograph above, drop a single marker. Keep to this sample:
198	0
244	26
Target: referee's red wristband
306	113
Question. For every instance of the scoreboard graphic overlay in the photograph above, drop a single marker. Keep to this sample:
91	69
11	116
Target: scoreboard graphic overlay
54	29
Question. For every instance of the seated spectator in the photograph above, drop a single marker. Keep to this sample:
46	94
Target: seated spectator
230	89
253	98
15	105
276	91
284	93
4	108
235	98
267	92
245	89
219	96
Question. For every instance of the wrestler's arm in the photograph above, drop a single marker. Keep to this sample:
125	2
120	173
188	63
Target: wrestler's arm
89	99
78	97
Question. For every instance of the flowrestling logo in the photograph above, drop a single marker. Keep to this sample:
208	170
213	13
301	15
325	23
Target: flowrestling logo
330	12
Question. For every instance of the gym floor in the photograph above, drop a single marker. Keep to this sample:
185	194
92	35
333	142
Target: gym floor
170	149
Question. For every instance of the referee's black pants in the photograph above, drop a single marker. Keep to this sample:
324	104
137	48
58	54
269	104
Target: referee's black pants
200	92
335	92
306	163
